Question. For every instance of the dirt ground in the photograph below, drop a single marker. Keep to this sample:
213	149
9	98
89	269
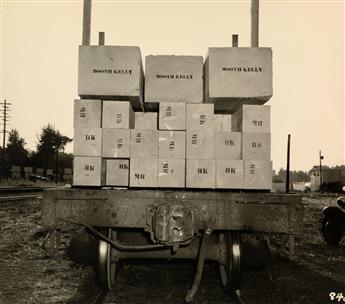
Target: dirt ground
31	274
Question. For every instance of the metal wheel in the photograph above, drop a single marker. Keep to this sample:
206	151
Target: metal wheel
230	268
106	264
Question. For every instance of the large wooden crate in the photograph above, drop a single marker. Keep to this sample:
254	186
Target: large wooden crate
111	72
173	79
234	76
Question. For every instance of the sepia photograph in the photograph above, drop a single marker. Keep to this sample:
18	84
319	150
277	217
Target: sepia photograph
170	151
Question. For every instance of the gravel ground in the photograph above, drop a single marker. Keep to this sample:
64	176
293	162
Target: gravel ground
31	274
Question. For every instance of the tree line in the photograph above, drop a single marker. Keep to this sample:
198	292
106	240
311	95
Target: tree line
49	151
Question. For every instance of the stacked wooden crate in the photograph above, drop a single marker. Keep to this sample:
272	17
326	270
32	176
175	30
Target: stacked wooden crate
110	83
189	142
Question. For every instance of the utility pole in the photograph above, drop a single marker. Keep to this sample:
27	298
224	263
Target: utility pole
5	108
287	181
321	158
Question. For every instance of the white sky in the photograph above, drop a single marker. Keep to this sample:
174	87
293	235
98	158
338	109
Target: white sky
39	49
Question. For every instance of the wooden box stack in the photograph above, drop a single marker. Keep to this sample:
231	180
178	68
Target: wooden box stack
182	140
253	121
102	150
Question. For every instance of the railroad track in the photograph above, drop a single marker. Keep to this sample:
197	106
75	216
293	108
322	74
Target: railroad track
17	198
17	190
106	297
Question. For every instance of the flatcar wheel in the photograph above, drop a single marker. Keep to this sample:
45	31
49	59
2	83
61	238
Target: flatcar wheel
230	268
106	265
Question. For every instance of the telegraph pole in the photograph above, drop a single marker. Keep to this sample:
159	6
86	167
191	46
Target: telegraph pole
5	108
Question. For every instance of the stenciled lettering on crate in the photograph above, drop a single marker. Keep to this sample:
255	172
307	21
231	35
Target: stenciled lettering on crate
88	171
111	72
117	172
173	79
200	173
238	75
171	173
143	172
172	116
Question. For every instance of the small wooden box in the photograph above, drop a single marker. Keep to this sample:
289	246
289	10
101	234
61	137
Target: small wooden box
252	119
200	145
111	72
257	175
116	143
117	172
256	146
144	143
87	113
172	116
87	142
172	144
200	173
146	120
143	172
173	79
171	173
227	145
117	114
199	117
88	171
230	174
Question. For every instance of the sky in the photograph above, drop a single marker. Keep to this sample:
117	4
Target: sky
39	60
